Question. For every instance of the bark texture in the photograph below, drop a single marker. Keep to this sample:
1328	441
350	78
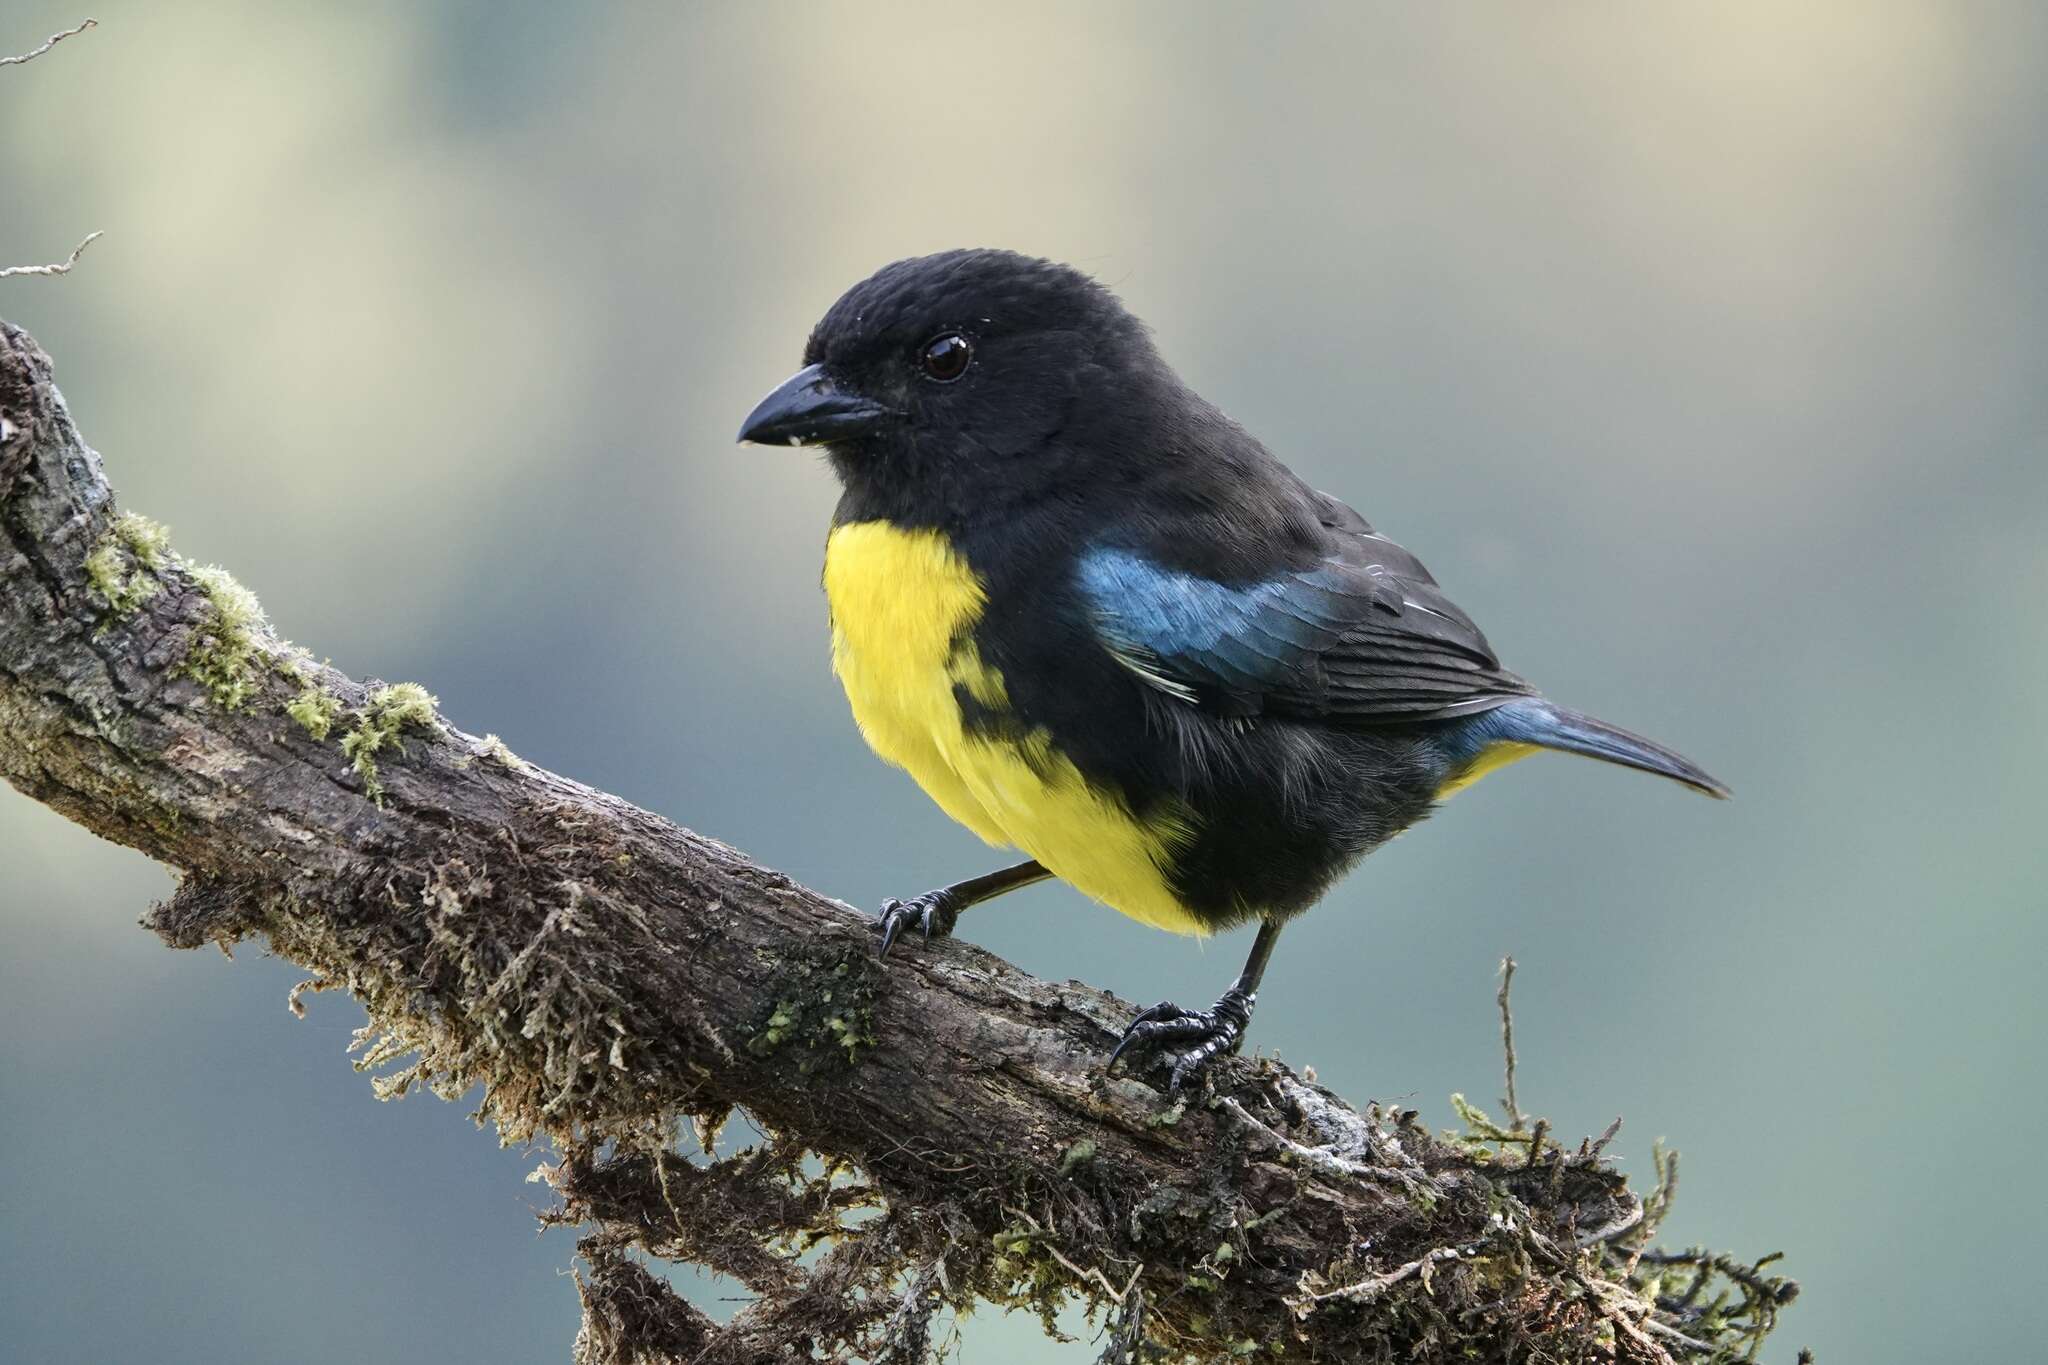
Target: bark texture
943	1128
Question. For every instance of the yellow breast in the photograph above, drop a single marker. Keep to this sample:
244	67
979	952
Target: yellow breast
903	603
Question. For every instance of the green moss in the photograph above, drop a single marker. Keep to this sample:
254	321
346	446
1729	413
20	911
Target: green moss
123	566
224	651
1077	1156
775	1030
1024	1274
229	646
1169	1117
315	710
379	726
1483	1140
496	750
820	1012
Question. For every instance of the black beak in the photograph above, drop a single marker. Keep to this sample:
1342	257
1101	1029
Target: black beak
809	409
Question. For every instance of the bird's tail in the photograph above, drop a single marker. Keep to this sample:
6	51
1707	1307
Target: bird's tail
1549	726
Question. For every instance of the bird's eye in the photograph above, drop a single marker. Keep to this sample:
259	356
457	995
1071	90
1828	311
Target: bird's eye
945	357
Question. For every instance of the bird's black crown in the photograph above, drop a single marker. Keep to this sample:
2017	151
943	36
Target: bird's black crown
984	292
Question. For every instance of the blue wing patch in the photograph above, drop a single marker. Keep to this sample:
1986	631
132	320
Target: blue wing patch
1345	639
1249	637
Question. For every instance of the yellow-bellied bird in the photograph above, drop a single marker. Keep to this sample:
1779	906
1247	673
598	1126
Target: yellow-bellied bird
1098	622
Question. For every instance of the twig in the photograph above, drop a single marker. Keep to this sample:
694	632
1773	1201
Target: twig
1507	1043
1599	1144
1771	1288
1322	1160
1665	1163
1094	1273
1370	1288
64	267
1044	1237
55	39
60	268
1673	1334
1599	1293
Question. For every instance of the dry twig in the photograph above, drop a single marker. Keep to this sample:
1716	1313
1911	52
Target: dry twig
62	267
54	39
1512	1109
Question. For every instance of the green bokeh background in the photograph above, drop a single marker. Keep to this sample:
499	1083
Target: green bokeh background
1699	348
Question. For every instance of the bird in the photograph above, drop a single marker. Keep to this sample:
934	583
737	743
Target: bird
1098	622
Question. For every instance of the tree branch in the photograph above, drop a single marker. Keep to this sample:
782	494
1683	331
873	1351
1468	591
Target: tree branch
944	1127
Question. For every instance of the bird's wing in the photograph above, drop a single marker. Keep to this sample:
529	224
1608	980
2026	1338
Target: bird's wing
1364	636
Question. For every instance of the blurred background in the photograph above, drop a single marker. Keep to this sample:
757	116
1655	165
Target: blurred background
1697	348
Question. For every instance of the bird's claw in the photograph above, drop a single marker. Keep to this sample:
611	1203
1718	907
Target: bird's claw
1208	1034
932	913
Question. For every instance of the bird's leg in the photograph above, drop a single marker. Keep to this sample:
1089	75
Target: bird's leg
1203	1035
936	911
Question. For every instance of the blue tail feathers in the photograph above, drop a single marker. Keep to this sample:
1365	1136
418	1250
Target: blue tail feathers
1532	720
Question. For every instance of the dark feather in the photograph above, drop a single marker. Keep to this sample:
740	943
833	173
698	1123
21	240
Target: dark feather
1363	635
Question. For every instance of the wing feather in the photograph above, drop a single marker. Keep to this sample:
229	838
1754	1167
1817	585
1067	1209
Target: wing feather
1364	636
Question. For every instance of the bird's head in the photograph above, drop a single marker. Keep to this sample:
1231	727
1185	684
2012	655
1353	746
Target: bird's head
939	384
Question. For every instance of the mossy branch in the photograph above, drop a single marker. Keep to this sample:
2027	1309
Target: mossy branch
944	1130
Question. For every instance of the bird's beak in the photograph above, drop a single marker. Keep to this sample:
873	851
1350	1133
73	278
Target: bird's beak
809	409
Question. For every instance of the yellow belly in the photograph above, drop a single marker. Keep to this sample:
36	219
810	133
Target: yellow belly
902	605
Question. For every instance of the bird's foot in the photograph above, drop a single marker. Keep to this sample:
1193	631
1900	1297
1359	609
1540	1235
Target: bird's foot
1201	1036
932	913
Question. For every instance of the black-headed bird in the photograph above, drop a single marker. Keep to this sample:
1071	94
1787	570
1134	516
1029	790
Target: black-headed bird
1098	622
